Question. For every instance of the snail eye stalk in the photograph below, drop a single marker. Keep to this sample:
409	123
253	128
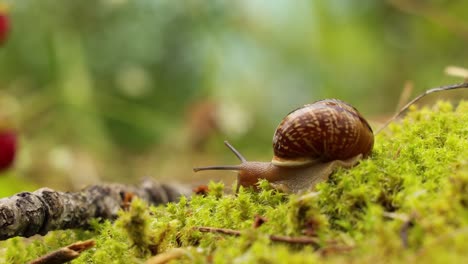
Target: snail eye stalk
225	167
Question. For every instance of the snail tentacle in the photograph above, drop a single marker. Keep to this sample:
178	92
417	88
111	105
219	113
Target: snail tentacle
226	167
235	151
220	167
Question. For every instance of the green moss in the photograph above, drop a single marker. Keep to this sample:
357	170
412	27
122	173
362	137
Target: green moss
19	250
407	203
136	224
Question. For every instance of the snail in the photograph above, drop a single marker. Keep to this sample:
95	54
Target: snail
308	145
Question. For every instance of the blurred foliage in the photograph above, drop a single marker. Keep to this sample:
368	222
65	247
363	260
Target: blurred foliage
108	87
10	184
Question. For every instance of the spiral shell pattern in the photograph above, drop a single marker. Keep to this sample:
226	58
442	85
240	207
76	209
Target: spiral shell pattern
323	131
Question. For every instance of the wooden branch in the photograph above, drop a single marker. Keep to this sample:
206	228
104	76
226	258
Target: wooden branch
295	240
27	214
65	254
224	231
286	239
419	97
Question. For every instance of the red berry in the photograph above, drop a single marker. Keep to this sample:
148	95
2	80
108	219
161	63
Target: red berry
4	27
7	149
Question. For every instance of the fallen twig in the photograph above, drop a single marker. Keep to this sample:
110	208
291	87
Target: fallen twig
286	239
167	256
295	240
417	98
65	254
224	231
26	214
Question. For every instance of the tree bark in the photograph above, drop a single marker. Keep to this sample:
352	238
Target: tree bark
30	213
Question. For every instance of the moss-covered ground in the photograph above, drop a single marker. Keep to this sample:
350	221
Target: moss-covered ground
407	203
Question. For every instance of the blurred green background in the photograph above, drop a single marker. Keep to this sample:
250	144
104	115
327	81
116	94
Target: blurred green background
113	90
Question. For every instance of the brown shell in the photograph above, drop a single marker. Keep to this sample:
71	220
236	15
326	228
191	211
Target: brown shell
323	131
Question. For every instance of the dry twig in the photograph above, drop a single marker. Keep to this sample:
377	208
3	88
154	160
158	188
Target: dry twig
167	256
286	239
430	91
65	254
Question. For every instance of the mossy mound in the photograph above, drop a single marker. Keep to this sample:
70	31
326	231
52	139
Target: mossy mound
407	203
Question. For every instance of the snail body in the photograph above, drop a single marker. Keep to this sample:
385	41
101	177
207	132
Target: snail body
308	145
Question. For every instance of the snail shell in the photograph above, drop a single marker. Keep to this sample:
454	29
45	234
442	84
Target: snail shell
320	132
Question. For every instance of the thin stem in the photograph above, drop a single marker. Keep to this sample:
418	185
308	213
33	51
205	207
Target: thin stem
277	238
434	90
222	167
235	151
65	254
225	231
